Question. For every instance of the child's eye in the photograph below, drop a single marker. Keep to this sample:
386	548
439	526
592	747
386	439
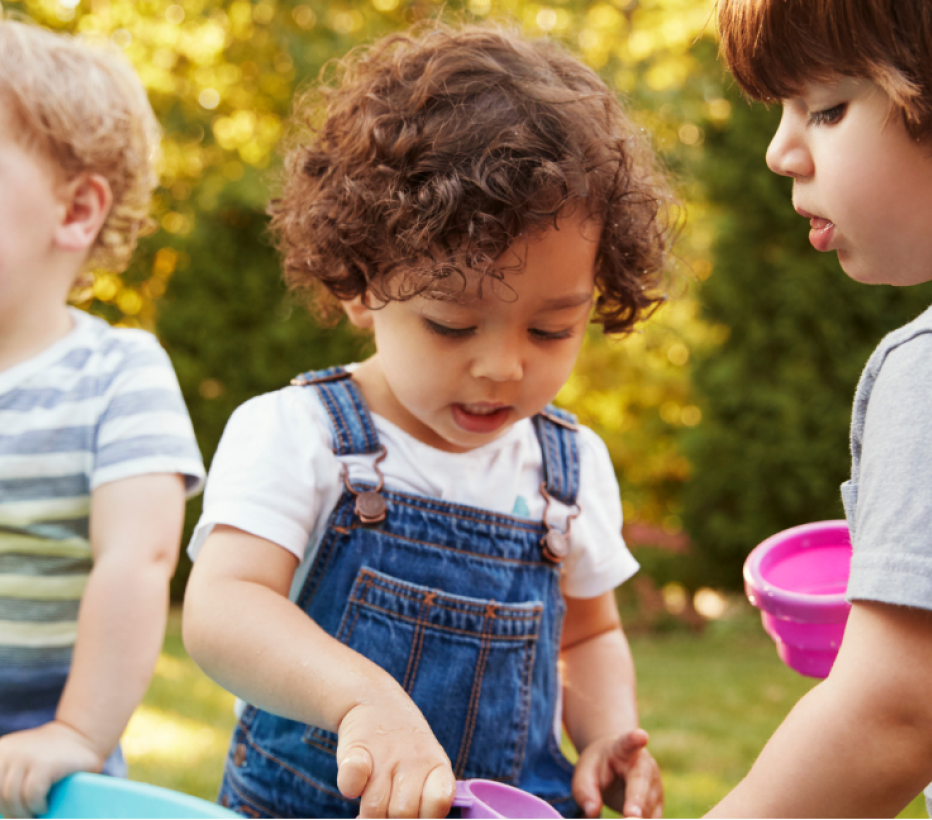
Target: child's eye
828	116
449	332
549	335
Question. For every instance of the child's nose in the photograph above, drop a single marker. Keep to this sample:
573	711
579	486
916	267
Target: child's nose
499	361
787	154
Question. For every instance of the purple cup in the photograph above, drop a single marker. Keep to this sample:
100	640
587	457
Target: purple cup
486	798
797	579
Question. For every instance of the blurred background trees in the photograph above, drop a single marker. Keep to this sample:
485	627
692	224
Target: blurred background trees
726	414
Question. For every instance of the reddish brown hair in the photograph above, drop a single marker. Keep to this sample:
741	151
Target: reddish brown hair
438	148
774	47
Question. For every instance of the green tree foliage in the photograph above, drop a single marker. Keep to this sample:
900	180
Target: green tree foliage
776	394
233	332
221	75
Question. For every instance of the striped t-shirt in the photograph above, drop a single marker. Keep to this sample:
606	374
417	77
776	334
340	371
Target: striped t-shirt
100	405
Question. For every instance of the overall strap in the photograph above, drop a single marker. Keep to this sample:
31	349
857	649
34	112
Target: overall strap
557	432
353	430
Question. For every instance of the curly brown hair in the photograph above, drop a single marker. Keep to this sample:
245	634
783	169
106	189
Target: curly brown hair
439	147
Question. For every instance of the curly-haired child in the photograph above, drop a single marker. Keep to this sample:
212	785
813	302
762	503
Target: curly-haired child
96	447
406	567
855	81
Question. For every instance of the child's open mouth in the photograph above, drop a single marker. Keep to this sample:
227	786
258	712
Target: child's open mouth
480	418
820	233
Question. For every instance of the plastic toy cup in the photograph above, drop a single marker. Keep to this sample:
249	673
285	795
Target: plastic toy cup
486	798
94	795
797	579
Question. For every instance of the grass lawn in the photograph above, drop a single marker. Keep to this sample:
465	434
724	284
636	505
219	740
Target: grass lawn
709	701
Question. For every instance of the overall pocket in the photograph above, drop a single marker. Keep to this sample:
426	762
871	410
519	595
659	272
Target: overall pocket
466	662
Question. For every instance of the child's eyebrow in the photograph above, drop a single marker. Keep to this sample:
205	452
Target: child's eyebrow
572	300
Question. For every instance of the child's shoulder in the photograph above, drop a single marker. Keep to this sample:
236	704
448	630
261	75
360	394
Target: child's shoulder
95	335
291	417
918	330
897	378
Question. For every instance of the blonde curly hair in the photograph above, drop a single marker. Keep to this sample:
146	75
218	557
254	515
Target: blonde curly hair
81	104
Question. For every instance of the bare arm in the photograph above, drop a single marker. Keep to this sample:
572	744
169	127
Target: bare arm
860	743
135	531
243	631
237	607
600	712
598	672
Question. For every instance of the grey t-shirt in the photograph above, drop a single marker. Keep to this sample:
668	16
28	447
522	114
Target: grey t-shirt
888	501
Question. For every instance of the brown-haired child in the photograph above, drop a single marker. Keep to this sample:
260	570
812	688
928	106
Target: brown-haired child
387	549
855	82
96	447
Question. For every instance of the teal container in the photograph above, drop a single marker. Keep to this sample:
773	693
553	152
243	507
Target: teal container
94	795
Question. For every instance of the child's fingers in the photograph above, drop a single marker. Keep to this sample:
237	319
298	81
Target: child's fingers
587	790
643	789
405	799
375	799
354	772
626	747
438	794
11	804
36	787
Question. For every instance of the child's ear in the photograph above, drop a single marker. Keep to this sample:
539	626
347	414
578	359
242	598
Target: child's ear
86	199
358	312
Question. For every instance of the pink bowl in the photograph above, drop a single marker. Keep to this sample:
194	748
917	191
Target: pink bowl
797	578
486	798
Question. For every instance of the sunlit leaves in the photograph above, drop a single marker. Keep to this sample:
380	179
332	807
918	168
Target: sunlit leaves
221	75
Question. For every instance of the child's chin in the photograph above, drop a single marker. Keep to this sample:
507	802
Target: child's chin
856	269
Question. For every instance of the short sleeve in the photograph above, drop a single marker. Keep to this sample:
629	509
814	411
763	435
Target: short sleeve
274	471
599	560
892	560
144	425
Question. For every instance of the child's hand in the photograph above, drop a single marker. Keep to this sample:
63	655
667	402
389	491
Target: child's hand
388	754
622	773
33	760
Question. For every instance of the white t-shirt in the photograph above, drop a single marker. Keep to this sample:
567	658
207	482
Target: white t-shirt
275	475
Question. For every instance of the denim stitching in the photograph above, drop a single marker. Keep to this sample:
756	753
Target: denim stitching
556	473
437	506
526	697
352	603
458	550
325	376
399	588
561	417
313	732
542	429
558	757
339	634
417	646
294	771
360	440
337	422
259	807
322	742
524	615
473	712
325	553
362	416
449	629
511	614
572	467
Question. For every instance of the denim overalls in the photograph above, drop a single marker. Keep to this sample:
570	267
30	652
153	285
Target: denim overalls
457	603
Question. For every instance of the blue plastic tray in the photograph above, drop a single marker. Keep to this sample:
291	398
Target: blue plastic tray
94	795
